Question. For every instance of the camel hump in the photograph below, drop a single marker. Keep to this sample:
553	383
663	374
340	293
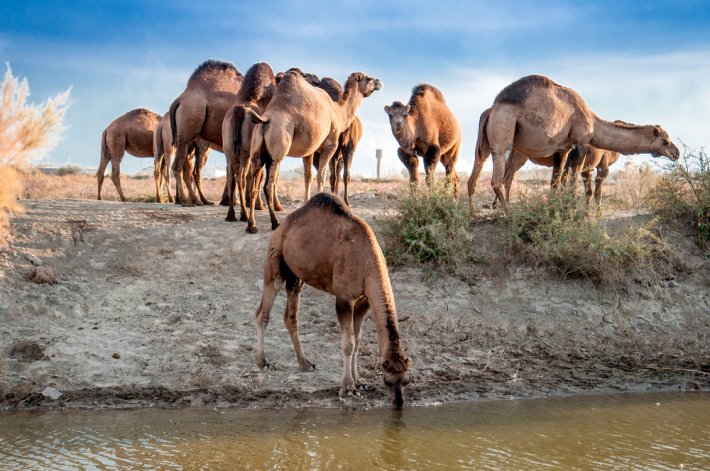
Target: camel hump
421	89
519	91
256	83
330	202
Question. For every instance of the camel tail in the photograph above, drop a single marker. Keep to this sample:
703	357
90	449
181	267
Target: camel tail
173	119
237	120
482	145
105	157
158	150
254	116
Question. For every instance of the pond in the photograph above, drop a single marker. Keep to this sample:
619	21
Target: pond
627	431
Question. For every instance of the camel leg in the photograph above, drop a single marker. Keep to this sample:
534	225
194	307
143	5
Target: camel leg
293	293
431	160
158	176
100	173
165	167
452	179
188	198
201	154
498	177
116	176
587	179
335	166
475	175
559	163
307	177
277	202
241	177
272	170
324	159
411	162
344	309
231	186
272	285
256	171
512	166
359	313
602	173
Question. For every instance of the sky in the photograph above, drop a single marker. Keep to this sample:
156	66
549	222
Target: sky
643	62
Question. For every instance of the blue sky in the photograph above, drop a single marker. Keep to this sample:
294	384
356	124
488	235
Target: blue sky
643	62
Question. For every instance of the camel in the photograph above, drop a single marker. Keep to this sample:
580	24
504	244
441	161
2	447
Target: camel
199	112
163	151
299	120
347	143
539	118
131	132
256	93
324	245
427	127
596	158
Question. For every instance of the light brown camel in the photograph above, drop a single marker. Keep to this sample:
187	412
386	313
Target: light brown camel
598	159
299	120
347	143
163	152
426	127
539	117
199	112
324	245
131	132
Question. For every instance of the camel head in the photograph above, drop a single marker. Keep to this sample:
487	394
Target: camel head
396	377
662	144
310	78
397	112
363	82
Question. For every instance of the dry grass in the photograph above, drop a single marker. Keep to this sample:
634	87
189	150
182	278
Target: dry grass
25	131
43	275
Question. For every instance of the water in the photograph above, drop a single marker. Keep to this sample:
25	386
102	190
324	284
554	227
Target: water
639	431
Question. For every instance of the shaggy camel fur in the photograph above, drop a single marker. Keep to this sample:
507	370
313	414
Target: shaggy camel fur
539	117
131	132
324	245
596	159
163	151
347	143
256	92
426	127
299	120
199	112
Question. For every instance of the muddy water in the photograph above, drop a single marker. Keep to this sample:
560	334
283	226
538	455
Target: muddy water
646	431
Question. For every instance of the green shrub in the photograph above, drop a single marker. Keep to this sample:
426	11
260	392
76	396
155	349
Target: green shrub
683	193
430	227
554	230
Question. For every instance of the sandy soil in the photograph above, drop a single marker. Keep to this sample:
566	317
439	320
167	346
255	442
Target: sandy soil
154	305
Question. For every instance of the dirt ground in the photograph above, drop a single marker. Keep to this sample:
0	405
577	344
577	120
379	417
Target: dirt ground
154	305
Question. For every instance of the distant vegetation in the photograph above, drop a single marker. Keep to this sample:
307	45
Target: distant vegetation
26	130
68	170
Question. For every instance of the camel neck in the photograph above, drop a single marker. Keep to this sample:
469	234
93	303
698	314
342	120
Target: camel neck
626	139
379	294
349	105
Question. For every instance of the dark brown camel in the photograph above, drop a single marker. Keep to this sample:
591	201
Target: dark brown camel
131	132
199	112
427	127
324	245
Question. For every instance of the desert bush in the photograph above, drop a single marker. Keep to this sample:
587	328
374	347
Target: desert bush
25	130
430	227
68	170
683	194
632	185
555	230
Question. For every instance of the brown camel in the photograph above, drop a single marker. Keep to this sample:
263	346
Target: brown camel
427	127
596	159
163	151
256	92
323	244
199	112
299	120
347	143
539	117
131	132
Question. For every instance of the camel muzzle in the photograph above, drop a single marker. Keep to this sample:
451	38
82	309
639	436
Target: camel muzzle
378	84
397	396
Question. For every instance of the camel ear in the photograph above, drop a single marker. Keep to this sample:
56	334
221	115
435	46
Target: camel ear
359	77
388	109
406	109
657	130
408	362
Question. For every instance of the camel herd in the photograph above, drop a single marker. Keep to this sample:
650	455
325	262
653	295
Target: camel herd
260	118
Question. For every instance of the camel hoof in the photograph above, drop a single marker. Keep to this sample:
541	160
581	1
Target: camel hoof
347	390
208	202
275	225
187	205
198	203
224	202
243	218
307	367
231	216
252	229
